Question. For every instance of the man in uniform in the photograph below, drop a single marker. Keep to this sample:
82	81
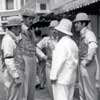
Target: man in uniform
29	53
49	44
12	73
88	64
64	62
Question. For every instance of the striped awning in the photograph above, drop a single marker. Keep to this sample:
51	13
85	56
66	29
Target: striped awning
74	4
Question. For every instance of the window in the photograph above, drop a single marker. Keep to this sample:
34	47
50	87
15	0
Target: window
43	6
9	4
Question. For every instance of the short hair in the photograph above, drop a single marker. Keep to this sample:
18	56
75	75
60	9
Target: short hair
86	22
38	33
10	27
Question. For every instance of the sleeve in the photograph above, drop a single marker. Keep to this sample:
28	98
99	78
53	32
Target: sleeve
59	56
42	43
40	53
8	48
40	46
92	46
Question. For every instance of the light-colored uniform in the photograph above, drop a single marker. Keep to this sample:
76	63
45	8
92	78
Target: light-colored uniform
64	67
9	45
88	68
28	50
49	44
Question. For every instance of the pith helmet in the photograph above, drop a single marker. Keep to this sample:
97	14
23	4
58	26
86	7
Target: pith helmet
81	17
28	13
53	23
14	21
65	26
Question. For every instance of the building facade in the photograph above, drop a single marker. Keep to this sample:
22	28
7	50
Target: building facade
13	7
39	6
10	8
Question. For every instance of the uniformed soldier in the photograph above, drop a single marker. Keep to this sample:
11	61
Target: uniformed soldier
64	62
29	53
49	44
88	65
12	74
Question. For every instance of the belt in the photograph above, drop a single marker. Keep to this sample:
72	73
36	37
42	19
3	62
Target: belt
9	57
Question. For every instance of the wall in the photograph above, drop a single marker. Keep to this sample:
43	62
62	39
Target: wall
99	37
58	3
38	10
95	21
2	5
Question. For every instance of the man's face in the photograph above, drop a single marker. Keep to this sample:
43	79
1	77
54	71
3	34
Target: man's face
78	26
28	21
17	30
53	32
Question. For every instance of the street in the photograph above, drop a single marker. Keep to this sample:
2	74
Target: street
39	95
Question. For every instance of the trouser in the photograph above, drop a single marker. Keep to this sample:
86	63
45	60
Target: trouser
63	92
15	92
87	86
37	74
48	81
30	76
41	73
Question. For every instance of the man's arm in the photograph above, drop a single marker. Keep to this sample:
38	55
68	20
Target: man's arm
92	46
59	56
42	44
8	48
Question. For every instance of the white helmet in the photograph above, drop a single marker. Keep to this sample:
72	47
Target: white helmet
65	26
81	17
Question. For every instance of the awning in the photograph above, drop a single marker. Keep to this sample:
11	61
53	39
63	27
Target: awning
74	4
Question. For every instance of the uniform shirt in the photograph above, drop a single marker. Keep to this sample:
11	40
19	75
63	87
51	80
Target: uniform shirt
65	61
48	43
28	41
89	39
8	46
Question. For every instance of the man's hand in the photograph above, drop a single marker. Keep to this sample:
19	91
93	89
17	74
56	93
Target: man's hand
18	81
98	81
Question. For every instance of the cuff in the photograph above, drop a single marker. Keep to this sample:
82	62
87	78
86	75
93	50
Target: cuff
53	77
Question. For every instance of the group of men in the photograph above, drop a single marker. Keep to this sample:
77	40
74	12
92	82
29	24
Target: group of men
63	58
19	54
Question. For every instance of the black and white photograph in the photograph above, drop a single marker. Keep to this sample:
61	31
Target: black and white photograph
49	49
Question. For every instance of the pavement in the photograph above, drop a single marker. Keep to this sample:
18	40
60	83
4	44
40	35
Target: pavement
42	95
2	90
39	95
